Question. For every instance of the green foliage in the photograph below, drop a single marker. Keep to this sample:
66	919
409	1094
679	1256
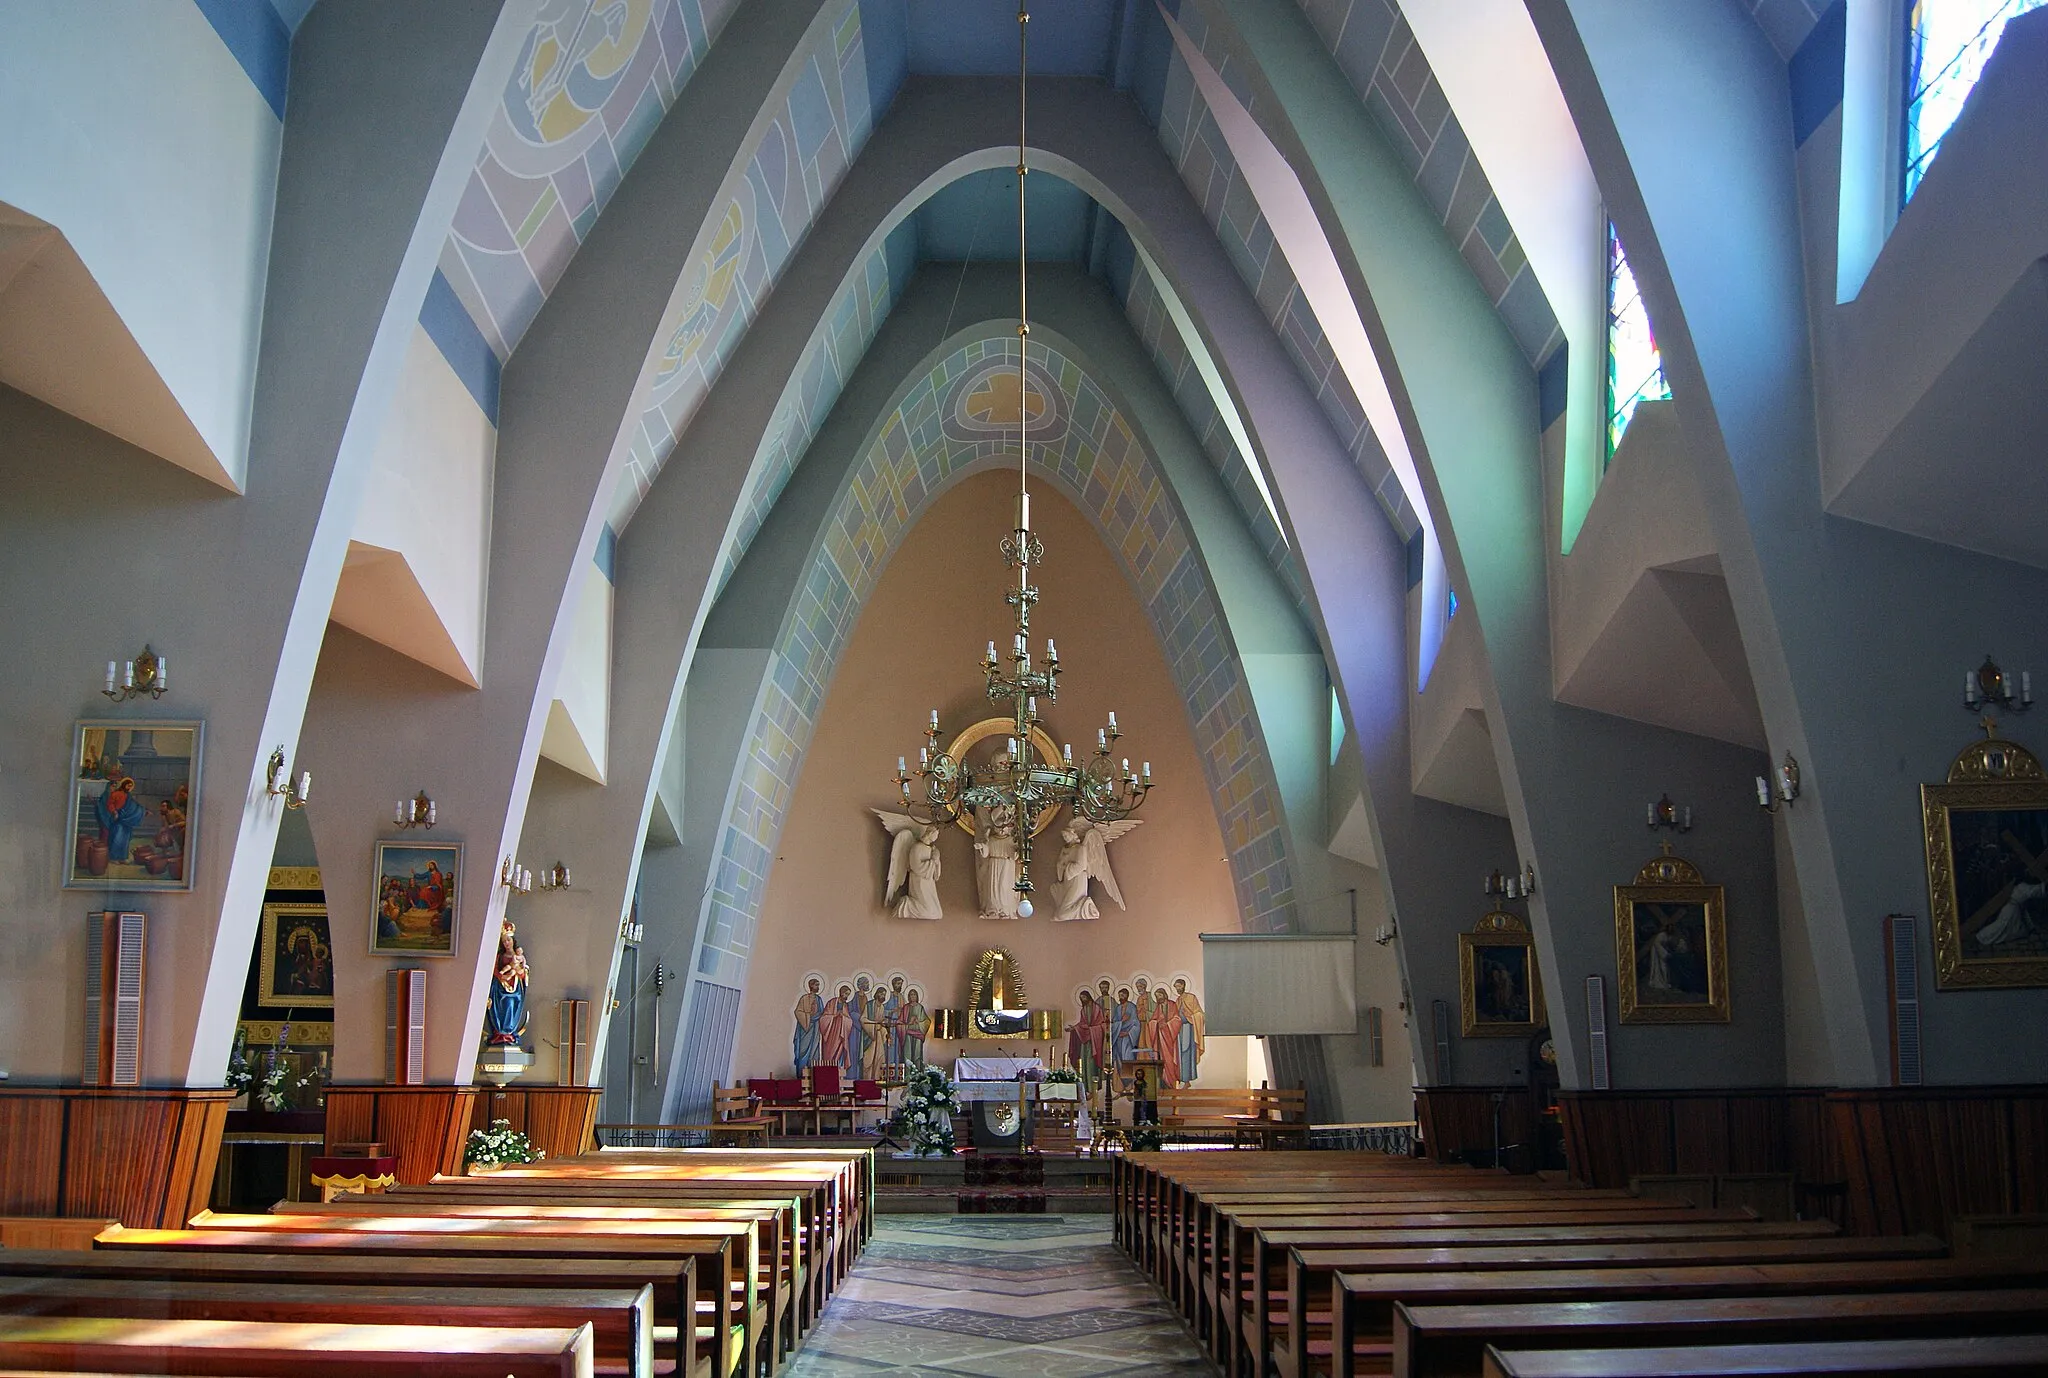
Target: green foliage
1147	1137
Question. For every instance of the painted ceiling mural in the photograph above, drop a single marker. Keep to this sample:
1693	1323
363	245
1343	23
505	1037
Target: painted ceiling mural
593	81
960	413
804	152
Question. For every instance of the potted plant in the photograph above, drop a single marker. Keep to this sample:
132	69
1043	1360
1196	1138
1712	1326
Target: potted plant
491	1149
926	1116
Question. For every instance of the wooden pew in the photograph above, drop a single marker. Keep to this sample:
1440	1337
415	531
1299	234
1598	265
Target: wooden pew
759	1296
421	1278
1262	1275
781	1248
811	1240
621	1320
1369	1298
1311	1270
2019	1354
229	1349
1451	1341
727	1263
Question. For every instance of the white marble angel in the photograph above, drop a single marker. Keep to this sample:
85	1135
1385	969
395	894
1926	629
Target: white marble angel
911	890
1084	857
995	860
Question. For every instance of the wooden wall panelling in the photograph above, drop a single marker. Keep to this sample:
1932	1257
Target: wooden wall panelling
1456	1120
424	1126
145	1157
1917	1157
1611	1136
560	1120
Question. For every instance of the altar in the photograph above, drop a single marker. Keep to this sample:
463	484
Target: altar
995	1068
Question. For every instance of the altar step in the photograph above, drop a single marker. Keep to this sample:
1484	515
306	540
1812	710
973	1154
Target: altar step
992	1184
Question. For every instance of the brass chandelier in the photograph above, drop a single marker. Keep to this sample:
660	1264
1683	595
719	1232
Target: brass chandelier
941	790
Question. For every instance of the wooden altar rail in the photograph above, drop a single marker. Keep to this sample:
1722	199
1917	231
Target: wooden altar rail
144	1157
561	1121
1883	1160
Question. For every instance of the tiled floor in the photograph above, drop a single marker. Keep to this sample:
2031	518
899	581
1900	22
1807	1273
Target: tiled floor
1048	1297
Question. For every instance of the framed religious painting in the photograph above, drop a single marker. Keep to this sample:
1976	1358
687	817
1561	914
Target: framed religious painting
295	957
134	805
1499	991
1671	946
413	888
1987	868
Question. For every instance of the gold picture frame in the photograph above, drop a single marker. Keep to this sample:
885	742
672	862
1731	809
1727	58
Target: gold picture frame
1986	829
1041	742
1500	990
295	957
1671	945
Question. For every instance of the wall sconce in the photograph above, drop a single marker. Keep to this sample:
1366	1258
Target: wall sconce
515	877
553	878
147	674
631	932
1511	887
278	785
1384	934
1667	815
1771	795
1987	685
416	812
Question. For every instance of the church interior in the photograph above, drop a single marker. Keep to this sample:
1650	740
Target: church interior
1254	687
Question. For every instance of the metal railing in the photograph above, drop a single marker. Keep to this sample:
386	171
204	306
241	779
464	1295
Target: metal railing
1393	1137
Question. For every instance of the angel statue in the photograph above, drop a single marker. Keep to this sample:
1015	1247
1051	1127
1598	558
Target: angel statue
995	860
1084	856
912	888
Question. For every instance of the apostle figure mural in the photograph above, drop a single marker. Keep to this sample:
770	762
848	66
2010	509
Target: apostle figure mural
911	889
1121	1023
867	1026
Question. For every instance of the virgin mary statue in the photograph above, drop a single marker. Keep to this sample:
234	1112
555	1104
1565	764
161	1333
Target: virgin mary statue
505	1016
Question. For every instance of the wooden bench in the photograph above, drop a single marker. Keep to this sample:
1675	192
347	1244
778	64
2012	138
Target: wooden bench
2026	1354
229	1349
1366	1315
46	1232
423	1279
1451	1341
621	1320
781	1246
725	1320
754	1281
1311	1272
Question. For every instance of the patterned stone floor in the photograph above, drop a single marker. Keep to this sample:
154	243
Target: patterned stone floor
1047	1297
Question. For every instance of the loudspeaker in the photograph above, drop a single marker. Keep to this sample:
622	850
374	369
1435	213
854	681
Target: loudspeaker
115	949
1440	1034
572	1042
1375	1037
1902	985
405	1027
1596	1030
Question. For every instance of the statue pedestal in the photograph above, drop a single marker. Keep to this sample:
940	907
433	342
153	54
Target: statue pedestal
500	1066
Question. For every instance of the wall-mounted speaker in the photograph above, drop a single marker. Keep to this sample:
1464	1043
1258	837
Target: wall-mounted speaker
572	1044
1440	1035
1902	984
1375	1037
1596	1031
405	1027
115	951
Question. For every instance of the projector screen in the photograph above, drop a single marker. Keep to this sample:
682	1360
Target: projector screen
1279	983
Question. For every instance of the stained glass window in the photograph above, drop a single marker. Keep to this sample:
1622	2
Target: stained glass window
1635	371
1947	44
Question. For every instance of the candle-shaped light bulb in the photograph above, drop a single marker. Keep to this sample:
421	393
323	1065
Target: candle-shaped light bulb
1052	652
1112	721
904	785
2026	686
1146	772
1101	739
1031	707
113	674
1067	753
1970	688
128	676
1688	818
935	719
924	758
163	672
432	810
899	765
398	813
1763	792
991	652
1127	765
1013	748
305	785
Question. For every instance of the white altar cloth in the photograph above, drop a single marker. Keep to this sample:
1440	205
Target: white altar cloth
994	1068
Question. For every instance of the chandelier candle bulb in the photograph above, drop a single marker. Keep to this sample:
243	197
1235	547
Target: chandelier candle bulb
1067	753
113	674
1112	722
1101	739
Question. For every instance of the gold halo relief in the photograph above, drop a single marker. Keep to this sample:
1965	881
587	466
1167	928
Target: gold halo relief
1041	741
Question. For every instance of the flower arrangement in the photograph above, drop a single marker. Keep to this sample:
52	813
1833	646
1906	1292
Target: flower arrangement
270	1080
1063	1076
498	1145
1147	1137
240	1075
926	1116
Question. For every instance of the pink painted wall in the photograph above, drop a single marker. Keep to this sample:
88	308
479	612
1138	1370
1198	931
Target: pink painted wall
918	646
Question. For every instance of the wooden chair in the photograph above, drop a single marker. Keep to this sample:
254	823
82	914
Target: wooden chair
735	1117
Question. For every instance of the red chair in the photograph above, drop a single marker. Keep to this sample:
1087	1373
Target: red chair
825	1083
829	1097
780	1097
867	1095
